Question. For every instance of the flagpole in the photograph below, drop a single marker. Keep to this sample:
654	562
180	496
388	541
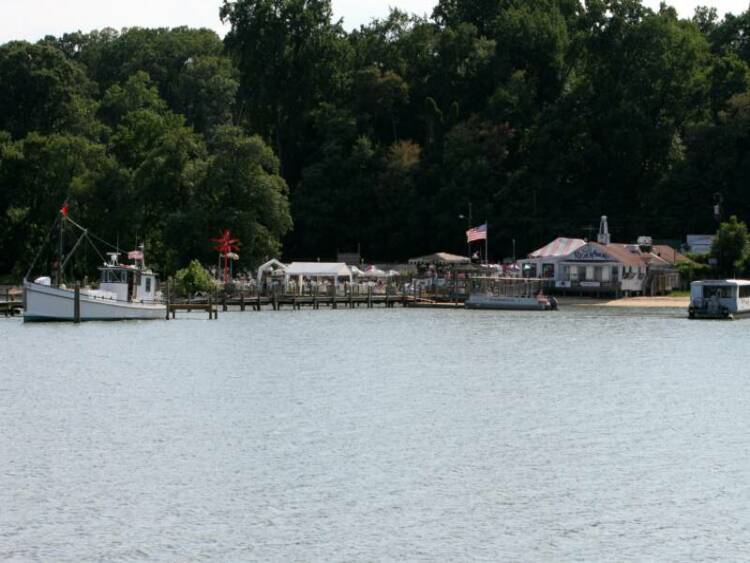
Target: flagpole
487	243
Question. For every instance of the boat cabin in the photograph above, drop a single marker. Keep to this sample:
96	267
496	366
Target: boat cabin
128	282
719	298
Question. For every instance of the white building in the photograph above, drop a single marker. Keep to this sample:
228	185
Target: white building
700	244
603	267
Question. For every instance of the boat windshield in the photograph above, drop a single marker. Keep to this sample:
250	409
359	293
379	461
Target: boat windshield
720	291
114	276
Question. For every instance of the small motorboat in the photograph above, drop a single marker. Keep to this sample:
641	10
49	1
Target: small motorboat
719	299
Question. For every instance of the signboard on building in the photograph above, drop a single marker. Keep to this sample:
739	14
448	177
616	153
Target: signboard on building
562	284
591	253
591	284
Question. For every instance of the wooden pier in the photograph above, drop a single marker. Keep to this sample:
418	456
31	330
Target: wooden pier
276	301
10	304
11	308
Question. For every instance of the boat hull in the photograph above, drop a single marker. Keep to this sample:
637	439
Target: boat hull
506	303
48	304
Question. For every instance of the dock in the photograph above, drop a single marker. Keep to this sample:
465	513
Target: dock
279	301
244	300
10	303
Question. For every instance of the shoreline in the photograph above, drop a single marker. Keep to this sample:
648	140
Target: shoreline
664	302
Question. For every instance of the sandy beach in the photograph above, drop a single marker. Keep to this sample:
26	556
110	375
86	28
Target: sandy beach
630	302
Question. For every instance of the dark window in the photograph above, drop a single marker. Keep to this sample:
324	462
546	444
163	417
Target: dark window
722	292
148	285
745	292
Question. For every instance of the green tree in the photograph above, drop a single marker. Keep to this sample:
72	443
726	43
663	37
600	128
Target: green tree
243	191
138	92
193	278
731	247
206	92
41	90
290	55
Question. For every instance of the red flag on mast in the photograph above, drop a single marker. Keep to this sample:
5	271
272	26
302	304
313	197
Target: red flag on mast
64	209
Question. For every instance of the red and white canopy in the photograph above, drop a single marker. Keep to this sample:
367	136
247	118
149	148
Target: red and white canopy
559	247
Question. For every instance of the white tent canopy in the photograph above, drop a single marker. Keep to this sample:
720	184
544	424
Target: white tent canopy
271	265
318	270
375	272
441	258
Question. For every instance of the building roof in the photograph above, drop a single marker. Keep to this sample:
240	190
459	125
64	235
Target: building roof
441	258
314	269
628	254
559	247
669	254
575	250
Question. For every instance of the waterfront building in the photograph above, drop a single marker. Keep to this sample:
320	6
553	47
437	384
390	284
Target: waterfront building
578	266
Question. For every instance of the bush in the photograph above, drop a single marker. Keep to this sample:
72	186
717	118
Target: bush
693	271
193	279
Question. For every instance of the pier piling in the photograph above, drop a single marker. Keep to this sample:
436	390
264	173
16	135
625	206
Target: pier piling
77	303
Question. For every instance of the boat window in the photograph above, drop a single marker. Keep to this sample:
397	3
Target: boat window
548	271
114	276
722	292
745	292
148	285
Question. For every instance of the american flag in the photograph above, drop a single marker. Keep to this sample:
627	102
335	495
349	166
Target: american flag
135	255
477	233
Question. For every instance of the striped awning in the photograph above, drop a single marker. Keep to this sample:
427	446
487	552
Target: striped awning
559	247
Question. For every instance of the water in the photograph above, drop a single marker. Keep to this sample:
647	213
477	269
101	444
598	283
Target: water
376	435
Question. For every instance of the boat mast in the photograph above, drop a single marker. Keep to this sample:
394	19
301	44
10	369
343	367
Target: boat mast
59	273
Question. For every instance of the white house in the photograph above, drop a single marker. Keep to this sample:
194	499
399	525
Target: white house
604	267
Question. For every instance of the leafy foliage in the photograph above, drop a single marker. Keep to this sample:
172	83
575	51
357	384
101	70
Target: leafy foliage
731	247
541	116
192	279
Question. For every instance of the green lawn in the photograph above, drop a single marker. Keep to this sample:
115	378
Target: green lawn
685	293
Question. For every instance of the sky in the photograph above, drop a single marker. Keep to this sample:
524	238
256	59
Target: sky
33	19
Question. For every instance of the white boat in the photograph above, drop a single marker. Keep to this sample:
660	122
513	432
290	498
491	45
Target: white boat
719	299
512	294
125	292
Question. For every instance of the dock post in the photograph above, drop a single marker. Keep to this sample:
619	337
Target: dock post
77	303
224	301
242	301
8	310
369	297
166	299
210	313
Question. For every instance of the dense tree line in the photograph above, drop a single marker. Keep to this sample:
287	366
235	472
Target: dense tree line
138	132
541	115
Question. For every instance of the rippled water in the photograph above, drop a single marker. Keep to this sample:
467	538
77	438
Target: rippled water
376	435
